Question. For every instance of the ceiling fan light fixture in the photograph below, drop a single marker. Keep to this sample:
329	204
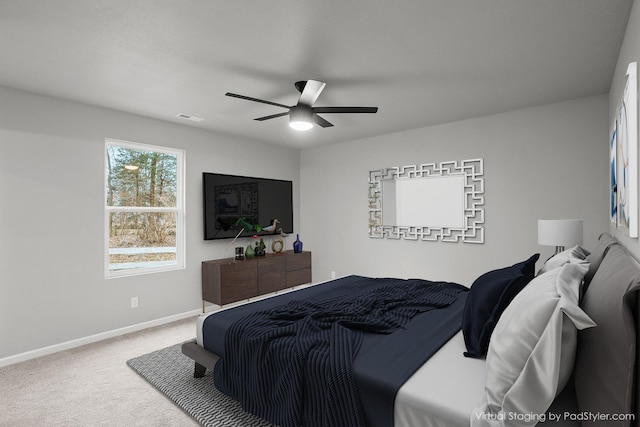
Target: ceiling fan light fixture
301	118
300	125
303	115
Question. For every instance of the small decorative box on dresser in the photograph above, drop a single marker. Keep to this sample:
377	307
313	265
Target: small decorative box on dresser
227	280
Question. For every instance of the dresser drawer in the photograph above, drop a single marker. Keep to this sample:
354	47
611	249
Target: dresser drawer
239	281
298	261
271	274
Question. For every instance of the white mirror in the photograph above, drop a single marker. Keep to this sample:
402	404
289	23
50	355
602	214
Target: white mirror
428	202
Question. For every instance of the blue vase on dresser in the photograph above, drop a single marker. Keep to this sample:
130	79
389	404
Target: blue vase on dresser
297	245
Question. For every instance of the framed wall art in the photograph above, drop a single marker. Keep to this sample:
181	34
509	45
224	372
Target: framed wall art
624	136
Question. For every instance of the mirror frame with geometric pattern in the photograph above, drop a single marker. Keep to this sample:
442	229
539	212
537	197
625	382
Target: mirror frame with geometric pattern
473	230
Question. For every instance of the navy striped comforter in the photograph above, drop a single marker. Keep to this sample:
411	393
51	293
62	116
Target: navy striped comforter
293	363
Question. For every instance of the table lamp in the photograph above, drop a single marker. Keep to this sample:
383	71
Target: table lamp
560	233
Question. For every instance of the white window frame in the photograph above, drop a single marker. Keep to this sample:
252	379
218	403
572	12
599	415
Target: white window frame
179	209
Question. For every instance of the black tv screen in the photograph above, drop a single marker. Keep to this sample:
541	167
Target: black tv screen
233	203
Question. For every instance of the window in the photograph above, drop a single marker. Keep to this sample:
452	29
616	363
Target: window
144	208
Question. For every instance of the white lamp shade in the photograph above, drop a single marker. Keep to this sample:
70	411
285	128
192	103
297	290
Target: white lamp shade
560	232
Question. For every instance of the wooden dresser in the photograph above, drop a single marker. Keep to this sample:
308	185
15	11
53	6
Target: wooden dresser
227	280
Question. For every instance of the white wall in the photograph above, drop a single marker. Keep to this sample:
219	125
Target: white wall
545	162
52	287
540	163
629	52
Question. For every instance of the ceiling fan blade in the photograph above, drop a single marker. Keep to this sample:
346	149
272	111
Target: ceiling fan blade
345	109
311	92
248	98
321	122
273	116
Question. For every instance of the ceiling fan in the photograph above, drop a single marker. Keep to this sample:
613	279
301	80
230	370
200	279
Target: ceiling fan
304	114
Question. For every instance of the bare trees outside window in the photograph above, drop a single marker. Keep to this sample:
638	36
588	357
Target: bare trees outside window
144	208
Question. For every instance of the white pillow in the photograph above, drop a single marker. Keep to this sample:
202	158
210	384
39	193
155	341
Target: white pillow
532	349
574	255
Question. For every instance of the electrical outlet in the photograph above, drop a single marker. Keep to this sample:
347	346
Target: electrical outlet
134	302
333	274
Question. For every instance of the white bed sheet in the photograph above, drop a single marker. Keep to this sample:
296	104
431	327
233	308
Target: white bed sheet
199	322
444	391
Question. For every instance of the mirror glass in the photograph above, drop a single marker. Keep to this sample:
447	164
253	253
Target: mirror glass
431	202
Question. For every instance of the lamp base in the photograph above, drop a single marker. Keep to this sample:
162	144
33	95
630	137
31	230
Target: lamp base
559	249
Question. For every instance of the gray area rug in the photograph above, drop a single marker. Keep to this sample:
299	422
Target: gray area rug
171	372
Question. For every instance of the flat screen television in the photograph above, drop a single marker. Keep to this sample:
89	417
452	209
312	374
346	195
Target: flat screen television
233	203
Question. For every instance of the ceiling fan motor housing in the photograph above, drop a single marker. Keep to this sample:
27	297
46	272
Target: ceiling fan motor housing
301	117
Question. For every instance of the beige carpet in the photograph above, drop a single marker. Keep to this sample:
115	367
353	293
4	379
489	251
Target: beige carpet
92	385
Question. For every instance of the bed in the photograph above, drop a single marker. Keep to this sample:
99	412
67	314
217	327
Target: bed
554	347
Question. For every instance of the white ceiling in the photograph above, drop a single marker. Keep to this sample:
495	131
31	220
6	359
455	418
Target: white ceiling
422	62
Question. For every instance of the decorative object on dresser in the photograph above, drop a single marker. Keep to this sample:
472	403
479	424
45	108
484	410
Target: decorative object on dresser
226	280
260	248
297	245
277	245
249	251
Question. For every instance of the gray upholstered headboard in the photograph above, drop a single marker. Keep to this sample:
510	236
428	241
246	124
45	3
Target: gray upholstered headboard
605	371
636	384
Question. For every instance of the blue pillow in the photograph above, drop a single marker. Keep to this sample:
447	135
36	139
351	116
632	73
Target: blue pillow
489	295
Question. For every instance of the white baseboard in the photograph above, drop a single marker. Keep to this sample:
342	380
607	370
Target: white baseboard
32	354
